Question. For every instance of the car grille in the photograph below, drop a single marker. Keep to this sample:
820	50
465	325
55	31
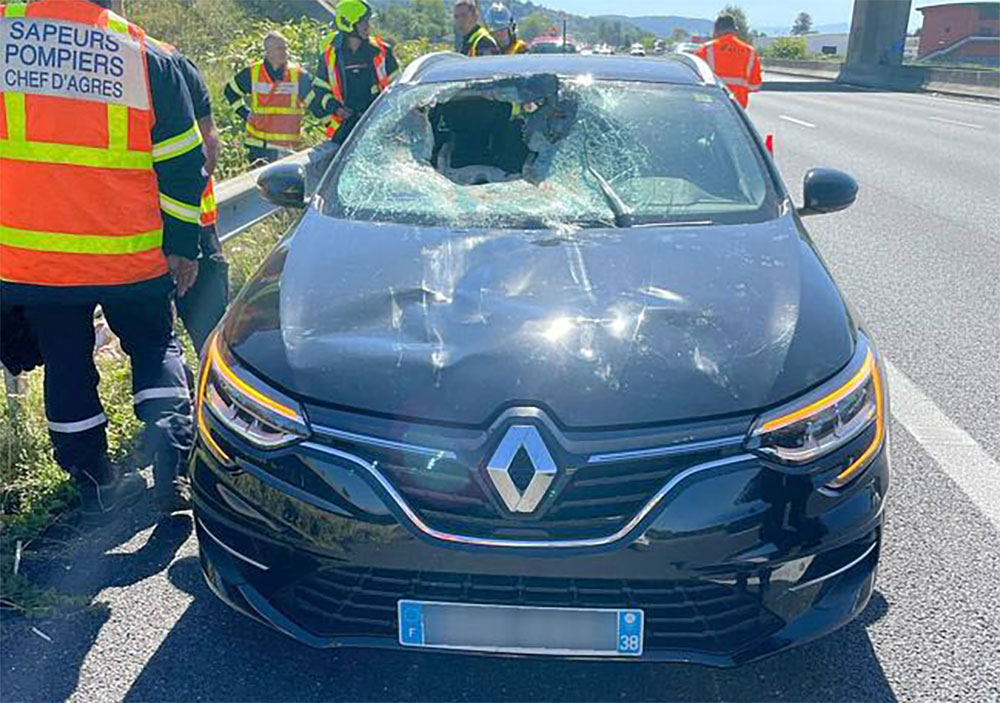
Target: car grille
589	501
680	615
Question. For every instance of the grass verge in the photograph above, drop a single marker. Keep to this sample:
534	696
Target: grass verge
35	493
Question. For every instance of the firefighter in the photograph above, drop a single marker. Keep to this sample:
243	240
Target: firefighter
472	38
734	61
354	69
100	185
501	24
205	303
278	92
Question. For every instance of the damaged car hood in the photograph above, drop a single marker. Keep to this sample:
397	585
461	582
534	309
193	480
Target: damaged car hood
602	328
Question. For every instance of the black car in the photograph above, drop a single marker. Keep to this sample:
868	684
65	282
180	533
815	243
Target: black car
549	365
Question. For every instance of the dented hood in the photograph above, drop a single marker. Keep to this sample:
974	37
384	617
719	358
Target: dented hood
600	327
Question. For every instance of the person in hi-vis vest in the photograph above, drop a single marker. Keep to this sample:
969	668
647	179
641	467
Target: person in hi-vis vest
471	37
100	188
271	96
734	61
355	68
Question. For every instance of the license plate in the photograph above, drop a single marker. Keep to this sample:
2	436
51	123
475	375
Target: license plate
520	629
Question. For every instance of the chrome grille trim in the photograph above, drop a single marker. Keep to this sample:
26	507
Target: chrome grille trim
382	443
654	452
416	520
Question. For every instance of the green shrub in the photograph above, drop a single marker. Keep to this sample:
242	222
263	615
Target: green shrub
787	48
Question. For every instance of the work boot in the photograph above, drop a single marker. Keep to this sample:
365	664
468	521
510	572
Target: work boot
171	487
105	492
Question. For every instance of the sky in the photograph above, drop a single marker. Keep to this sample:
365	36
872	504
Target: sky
760	12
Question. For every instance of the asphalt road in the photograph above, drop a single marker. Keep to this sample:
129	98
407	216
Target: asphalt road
919	257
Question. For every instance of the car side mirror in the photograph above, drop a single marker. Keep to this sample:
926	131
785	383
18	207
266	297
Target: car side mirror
284	185
827	190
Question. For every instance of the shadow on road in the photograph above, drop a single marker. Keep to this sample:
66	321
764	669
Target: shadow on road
815	86
41	660
214	654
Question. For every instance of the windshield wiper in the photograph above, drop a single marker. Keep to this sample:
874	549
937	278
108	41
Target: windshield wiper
623	213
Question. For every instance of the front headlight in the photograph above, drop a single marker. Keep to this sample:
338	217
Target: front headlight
264	417
836	416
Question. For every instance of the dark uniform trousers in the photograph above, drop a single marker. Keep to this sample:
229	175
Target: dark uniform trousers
204	304
161	399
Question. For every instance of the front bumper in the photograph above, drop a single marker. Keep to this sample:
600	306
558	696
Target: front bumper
738	564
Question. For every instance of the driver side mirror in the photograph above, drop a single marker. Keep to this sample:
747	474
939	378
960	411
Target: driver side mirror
284	185
827	190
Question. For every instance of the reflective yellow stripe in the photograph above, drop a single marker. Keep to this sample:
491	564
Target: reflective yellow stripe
14	102
278	111
182	211
255	72
177	146
80	243
271	136
480	34
117	23
71	154
14	106
117	127
236	88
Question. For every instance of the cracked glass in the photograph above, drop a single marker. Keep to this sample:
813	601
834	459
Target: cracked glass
545	152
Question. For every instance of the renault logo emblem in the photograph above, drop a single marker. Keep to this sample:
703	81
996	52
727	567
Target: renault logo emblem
521	437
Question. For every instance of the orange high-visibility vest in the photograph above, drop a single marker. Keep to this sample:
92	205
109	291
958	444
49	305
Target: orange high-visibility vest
736	63
275	108
209	206
79	199
382	79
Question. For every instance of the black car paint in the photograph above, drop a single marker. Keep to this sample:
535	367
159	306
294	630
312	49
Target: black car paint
604	328
430	344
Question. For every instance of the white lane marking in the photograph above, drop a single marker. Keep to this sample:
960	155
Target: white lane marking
955	122
786	118
975	472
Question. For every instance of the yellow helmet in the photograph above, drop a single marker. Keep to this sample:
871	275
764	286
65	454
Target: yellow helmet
350	13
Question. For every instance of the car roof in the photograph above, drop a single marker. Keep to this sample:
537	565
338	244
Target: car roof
445	67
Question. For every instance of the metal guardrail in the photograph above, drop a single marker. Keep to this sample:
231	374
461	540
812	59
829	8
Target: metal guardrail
241	206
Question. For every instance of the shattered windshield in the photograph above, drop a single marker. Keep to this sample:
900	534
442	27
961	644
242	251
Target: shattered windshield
543	152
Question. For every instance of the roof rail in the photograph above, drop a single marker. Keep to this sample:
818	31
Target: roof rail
698	65
412	72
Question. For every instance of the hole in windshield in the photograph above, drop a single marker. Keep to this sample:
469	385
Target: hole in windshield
543	152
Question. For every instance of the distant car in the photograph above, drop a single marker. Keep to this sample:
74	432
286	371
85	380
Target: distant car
686	48
526	377
553	46
637	50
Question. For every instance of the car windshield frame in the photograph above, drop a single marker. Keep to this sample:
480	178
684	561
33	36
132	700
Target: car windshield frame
773	205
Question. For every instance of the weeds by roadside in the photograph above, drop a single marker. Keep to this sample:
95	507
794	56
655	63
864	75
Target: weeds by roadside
35	493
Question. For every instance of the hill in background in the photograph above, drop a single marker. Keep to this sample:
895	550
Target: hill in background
777	31
664	25
412	19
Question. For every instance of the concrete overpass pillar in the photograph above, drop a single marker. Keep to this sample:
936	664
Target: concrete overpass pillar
878	34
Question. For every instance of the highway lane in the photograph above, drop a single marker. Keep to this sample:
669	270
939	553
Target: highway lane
920	259
919	254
